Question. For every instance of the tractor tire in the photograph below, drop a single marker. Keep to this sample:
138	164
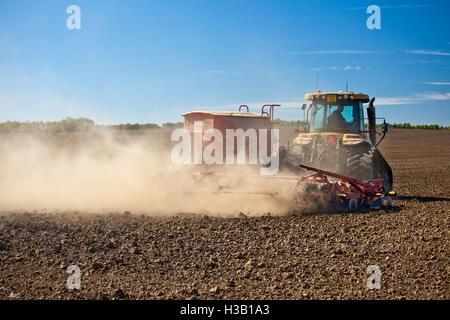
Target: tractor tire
383	170
353	204
386	202
360	162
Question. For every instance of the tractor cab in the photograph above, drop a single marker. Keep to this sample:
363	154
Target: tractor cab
337	112
340	114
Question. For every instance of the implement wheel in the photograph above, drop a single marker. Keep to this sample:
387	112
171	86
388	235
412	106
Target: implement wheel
353	204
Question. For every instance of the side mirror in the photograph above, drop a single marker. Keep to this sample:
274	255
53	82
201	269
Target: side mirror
304	106
384	127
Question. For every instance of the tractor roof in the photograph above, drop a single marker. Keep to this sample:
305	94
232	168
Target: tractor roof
339	95
226	113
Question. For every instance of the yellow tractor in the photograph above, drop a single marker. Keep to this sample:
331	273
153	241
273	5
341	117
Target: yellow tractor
336	137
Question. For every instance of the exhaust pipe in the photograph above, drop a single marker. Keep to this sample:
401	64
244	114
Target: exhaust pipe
372	121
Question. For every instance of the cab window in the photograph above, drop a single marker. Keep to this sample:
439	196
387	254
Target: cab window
340	116
348	112
317	117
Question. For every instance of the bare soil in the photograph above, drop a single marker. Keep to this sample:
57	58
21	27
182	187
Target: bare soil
192	256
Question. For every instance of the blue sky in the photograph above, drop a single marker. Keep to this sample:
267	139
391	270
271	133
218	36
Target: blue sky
151	61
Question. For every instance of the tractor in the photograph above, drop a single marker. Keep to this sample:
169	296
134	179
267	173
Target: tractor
337	138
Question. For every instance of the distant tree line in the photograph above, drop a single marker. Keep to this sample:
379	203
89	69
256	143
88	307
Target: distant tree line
173	125
290	123
67	125
83	124
420	126
131	126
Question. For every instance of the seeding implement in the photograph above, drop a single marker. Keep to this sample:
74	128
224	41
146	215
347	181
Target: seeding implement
316	192
222	121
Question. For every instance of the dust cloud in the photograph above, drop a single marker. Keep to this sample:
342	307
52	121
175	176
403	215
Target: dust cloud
104	171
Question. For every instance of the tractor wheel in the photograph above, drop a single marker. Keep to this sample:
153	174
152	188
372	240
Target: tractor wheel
383	170
386	202
353	204
360	162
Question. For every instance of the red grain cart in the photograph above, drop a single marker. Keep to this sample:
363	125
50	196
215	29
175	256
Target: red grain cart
223	120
